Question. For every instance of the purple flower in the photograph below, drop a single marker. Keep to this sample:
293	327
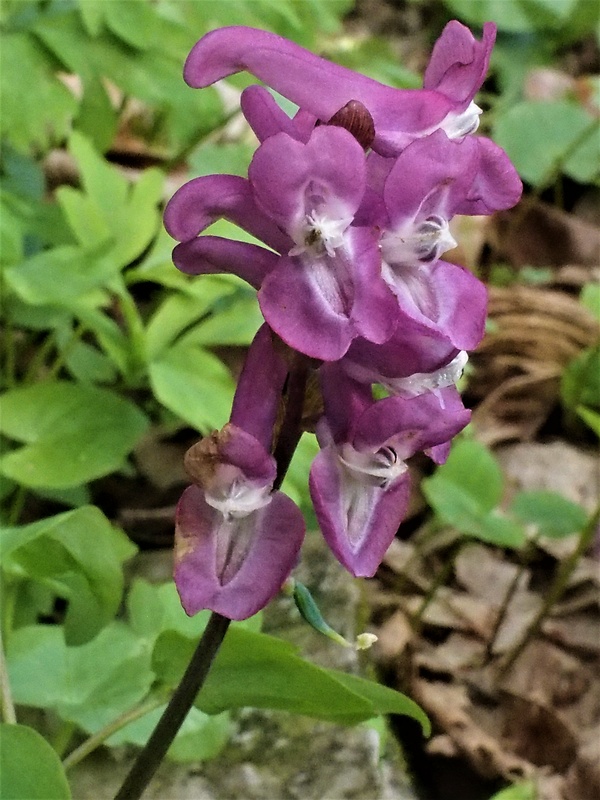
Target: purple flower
236	540
266	117
352	198
458	66
359	481
414	361
329	288
326	288
457	69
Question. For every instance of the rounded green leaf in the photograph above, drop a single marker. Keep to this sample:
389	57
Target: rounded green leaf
29	768
89	685
565	140
552	514
469	483
194	384
78	555
73	433
518	16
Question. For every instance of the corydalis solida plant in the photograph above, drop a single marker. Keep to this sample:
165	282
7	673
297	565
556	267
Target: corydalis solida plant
352	198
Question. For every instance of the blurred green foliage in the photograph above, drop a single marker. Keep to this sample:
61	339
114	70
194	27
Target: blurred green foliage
104	340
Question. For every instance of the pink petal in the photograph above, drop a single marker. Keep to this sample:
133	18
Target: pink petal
209	255
202	201
358	522
268	544
459	63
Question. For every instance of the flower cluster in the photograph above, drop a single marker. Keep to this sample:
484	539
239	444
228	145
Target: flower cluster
352	199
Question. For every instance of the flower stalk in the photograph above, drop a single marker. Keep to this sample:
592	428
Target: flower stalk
150	758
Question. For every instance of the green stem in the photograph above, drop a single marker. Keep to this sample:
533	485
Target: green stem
10	361
60	740
135	329
39	359
102	735
64	353
563	573
17	505
180	703
8	707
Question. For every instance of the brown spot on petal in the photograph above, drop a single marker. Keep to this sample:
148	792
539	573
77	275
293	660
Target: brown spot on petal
356	119
203	458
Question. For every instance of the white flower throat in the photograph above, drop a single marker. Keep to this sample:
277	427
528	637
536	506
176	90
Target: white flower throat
424	241
455	126
239	498
379	468
320	234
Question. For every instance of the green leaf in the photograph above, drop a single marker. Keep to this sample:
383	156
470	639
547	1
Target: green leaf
234	324
157	266
212	159
109	334
566	135
200	738
89	685
29	768
465	491
92	14
181	309
85	363
295	483
75	498
253	669
519	16
498	530
590	417
590	299
519	791
109	210
78	555
60	275
73	433
384	699
580	381
194	384
37	108
153	609
22	175
471	475
553	515
134	22
97	118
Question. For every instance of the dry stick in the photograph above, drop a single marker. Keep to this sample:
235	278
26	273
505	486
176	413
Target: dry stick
416	619
183	698
559	584
510	593
174	714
